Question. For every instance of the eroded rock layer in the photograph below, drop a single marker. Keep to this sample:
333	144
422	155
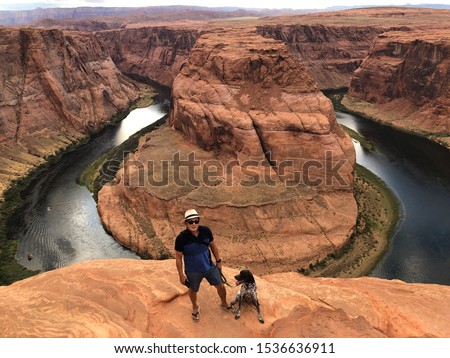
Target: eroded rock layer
246	96
254	146
55	88
155	53
133	298
330	53
405	81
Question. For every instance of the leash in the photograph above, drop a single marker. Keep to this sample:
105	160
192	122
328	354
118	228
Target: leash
224	280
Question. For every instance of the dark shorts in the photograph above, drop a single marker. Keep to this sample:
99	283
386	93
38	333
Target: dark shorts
212	276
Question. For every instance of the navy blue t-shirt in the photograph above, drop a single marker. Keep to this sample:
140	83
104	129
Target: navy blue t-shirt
197	257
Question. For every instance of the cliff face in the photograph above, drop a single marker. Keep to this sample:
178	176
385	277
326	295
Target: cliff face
133	298
55	88
405	81
155	53
252	140
248	97
330	53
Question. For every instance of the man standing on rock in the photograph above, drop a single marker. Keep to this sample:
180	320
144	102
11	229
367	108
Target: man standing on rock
192	246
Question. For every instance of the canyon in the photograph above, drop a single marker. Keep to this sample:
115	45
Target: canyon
247	112
56	88
405	82
332	47
330	53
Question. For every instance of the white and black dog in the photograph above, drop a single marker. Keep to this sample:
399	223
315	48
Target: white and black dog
246	293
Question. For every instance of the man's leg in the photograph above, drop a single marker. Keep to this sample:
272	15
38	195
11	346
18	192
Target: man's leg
194	278
214	279
193	297
222	292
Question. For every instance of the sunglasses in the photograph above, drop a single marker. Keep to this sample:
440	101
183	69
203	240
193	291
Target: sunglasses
191	222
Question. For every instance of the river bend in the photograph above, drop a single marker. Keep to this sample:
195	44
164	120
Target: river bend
59	224
418	173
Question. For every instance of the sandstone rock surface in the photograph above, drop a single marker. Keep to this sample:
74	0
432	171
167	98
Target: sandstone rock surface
405	82
250	139
56	87
245	96
332	44
330	53
155	53
134	298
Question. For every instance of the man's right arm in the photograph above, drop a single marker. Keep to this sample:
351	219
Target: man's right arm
179	261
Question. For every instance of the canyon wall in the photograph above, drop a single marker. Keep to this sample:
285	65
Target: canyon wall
56	87
254	101
133	298
155	53
330	53
405	82
253	145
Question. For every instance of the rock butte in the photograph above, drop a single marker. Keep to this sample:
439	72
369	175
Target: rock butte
134	298
239	97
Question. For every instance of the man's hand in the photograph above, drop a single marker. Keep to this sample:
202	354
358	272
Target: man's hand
183	279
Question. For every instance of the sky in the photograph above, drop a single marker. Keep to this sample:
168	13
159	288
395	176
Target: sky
271	4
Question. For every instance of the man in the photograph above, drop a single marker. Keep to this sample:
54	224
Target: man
192	246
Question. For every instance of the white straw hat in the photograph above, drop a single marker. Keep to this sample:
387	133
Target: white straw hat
190	214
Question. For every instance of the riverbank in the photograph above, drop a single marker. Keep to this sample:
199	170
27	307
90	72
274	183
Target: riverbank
95	175
370	111
105	168
378	214
365	143
12	198
10	269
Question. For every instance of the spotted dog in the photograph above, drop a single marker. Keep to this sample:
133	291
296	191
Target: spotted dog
246	293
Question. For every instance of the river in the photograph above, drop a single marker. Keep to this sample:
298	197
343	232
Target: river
59	224
418	173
